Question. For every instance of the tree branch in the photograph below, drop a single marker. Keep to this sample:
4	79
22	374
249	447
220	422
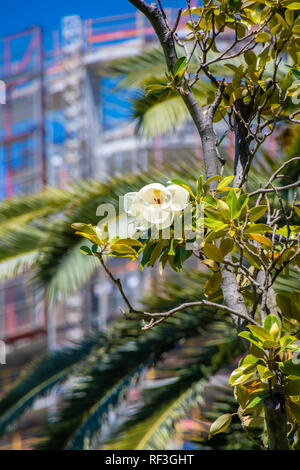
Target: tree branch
161	28
158	317
203	123
116	281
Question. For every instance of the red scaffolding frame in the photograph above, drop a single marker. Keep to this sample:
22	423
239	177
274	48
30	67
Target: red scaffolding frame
22	64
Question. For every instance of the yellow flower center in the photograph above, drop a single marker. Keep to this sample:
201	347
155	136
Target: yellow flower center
157	194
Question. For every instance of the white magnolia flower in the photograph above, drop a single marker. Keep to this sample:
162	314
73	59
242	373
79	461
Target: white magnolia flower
155	205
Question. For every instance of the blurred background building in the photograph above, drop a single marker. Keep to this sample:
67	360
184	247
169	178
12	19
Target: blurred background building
65	120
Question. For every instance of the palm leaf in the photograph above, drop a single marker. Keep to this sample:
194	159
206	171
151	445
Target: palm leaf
17	265
219	399
71	275
98	413
156	431
153	424
52	369
129	354
18	211
155	117
137	70
19	250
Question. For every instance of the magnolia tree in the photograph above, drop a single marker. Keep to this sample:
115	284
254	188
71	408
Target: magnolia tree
246	239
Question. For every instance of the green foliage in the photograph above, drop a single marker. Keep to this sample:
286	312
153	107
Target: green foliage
237	236
230	220
129	353
106	368
153	423
257	372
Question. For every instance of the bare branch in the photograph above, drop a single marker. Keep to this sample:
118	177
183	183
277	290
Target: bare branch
217	101
116	281
157	318
272	190
177	21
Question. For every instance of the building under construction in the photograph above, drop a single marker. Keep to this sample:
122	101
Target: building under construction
51	97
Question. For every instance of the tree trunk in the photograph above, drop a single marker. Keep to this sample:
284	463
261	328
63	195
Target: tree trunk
207	135
275	415
241	156
274	406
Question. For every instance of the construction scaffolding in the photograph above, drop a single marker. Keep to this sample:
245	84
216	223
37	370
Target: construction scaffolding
22	162
63	120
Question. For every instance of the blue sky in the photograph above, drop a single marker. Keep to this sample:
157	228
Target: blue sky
19	14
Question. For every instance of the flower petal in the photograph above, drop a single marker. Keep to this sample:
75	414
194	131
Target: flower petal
156	216
153	195
180	197
166	222
128	201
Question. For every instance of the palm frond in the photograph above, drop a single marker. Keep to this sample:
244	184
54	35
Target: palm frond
97	415
153	430
71	275
17	265
129	354
137	70
159	117
152	426
101	387
20	241
18	211
219	399
19	250
40	377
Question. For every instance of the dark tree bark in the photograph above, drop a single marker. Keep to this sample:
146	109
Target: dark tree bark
242	142
275	414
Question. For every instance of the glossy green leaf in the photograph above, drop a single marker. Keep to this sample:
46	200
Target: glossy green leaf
212	284
220	425
213	252
258	228
260	332
179	65
87	231
253	339
225	182
86	250
293	6
241	374
240	204
264	372
129	242
226	246
256	213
